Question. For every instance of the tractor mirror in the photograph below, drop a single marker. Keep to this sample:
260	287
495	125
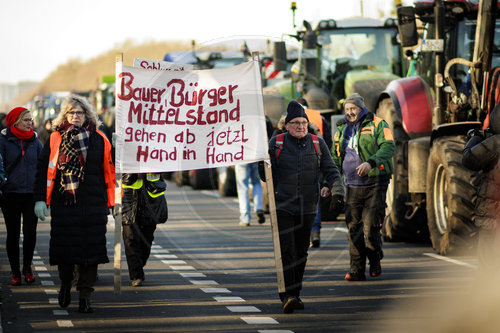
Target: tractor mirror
279	56
407	26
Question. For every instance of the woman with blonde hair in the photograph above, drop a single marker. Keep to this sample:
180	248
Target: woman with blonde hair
76	178
20	148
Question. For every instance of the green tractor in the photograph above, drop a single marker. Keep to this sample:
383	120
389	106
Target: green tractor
336	59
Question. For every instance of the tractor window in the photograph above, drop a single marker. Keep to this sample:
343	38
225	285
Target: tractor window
362	48
467	34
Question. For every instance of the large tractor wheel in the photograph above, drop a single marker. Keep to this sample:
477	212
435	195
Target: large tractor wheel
203	179
399	223
227	181
450	195
181	178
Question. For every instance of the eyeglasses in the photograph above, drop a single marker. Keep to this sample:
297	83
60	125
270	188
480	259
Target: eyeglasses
75	113
298	123
28	120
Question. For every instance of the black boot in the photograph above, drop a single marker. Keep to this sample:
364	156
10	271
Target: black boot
65	295
85	306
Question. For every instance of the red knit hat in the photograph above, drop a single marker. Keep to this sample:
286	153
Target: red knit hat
13	115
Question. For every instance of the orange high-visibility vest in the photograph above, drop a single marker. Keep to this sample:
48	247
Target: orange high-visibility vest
108	166
315	118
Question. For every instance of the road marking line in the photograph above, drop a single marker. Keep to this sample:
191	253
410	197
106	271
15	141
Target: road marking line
165	256
343	229
60	312
37	262
453	261
44	275
47	283
215	290
155	246
274	331
51	292
175	262
259	320
229	299
188	275
242	308
53	301
207	282
211	193
40	268
159	251
37	258
182	268
64	323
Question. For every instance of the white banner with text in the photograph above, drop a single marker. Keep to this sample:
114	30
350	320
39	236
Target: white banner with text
184	120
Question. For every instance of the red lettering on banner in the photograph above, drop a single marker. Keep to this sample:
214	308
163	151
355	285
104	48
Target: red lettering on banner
161	155
217	157
180	95
141	135
227	137
127	92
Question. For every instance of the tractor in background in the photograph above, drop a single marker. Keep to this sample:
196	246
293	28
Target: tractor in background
454	87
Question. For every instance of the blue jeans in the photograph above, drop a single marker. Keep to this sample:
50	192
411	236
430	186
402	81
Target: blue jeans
247	174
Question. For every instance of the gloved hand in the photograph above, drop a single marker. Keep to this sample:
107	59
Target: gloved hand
337	204
41	210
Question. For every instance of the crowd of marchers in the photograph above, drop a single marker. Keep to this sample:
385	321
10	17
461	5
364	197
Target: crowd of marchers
70	177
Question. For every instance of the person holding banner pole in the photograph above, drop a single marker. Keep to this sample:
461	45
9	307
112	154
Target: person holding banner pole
296	163
143	207
76	179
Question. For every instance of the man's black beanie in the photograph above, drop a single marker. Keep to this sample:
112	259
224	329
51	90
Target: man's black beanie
295	110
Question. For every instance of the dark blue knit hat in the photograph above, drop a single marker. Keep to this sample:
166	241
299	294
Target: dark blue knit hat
295	110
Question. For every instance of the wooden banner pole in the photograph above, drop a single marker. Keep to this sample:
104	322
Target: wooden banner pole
272	211
117	271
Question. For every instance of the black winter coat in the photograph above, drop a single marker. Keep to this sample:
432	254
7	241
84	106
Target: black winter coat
78	232
21	178
296	174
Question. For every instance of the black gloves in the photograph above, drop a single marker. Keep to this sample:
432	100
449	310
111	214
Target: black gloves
337	204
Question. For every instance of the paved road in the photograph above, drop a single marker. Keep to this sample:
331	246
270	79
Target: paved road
206	273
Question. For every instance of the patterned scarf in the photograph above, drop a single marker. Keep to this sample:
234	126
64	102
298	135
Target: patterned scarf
72	157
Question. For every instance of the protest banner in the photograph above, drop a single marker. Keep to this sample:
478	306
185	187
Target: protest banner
161	65
184	120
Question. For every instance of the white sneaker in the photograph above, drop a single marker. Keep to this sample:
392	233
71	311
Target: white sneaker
244	224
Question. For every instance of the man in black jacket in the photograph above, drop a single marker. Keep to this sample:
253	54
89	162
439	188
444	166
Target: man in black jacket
297	159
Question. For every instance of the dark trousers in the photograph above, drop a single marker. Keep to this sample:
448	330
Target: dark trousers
87	275
15	206
137	239
364	215
294	231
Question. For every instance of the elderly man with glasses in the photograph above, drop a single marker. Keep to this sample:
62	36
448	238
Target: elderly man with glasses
297	159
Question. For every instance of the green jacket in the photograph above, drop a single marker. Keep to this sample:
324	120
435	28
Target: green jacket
375	145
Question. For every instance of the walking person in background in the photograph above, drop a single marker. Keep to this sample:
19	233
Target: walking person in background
319	126
76	179
364	148
297	159
20	148
144	206
247	174
45	131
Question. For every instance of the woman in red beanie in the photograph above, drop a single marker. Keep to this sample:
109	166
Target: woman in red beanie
20	147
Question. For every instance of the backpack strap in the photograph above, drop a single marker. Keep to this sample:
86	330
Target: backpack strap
279	144
316	147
